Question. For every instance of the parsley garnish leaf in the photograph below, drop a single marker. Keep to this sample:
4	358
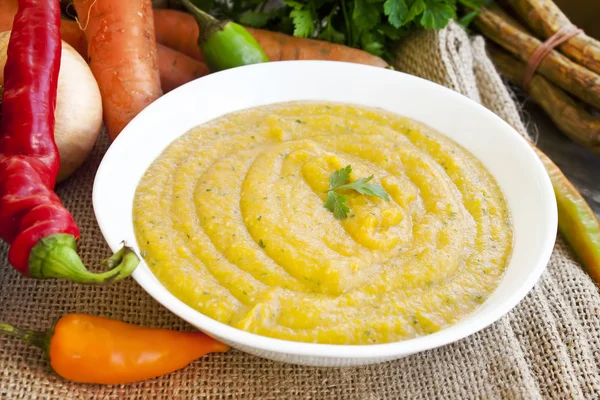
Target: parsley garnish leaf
336	202
340	177
362	187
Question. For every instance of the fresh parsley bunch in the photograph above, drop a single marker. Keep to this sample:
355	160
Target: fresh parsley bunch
367	24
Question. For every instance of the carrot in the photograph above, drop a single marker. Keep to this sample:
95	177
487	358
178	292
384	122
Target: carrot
8	10
179	31
176	68
71	33
279	47
122	54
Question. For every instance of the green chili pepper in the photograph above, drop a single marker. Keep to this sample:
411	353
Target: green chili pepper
577	222
225	44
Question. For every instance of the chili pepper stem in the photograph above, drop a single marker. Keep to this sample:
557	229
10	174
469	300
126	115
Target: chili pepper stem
40	339
209	24
56	257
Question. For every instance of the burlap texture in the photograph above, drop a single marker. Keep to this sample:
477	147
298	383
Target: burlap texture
547	347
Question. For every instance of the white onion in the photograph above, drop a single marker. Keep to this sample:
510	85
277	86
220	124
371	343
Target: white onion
78	107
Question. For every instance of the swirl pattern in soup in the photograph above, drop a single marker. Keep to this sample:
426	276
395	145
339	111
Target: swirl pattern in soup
230	218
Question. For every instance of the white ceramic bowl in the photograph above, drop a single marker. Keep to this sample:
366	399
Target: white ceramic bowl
508	157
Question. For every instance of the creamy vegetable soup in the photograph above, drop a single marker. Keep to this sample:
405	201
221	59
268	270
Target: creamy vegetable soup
323	222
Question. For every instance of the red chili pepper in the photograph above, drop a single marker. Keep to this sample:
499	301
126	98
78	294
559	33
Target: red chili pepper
42	233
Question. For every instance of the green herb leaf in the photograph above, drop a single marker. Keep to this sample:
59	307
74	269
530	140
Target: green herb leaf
286	25
365	15
329	33
475	4
304	25
372	42
302	18
437	14
336	203
396	11
371	25
296	5
255	19
340	177
416	9
362	187
466	20
391	32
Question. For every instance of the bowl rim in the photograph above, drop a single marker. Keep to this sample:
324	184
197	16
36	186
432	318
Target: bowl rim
443	337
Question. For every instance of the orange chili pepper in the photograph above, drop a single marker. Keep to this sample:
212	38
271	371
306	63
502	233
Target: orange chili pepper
88	349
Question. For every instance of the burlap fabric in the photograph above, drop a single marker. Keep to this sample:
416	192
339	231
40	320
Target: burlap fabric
547	347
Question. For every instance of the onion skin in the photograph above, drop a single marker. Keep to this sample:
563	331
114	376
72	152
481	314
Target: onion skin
78	108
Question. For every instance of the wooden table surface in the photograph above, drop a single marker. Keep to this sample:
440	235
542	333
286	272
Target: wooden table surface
580	165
